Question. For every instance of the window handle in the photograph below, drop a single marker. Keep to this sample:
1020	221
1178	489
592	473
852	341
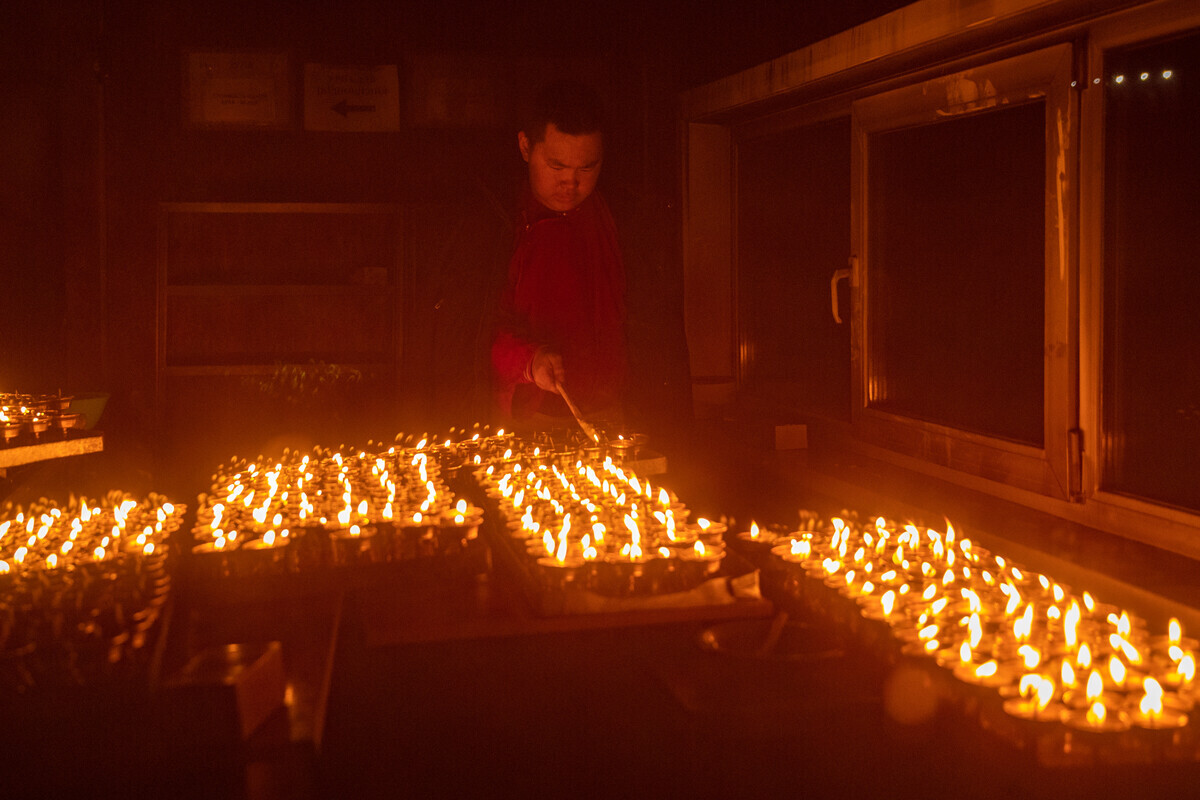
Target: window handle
838	275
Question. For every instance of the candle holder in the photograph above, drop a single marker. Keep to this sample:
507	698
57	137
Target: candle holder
622	576
1165	718
456	531
259	558
355	546
209	562
1087	719
698	565
712	534
559	575
11	430
1028	708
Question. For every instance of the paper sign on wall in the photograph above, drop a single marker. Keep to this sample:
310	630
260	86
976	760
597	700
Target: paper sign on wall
351	98
236	89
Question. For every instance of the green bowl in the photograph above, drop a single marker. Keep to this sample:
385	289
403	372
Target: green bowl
90	405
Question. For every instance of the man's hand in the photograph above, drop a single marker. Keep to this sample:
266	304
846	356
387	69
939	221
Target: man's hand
546	370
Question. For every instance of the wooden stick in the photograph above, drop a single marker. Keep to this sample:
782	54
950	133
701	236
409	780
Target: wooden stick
588	429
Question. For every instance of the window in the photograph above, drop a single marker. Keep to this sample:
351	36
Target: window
1151	374
964	216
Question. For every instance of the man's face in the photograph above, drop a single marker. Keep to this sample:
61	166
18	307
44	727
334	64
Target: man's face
562	168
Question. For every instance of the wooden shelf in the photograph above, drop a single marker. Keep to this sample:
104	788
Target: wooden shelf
232	370
45	451
254	290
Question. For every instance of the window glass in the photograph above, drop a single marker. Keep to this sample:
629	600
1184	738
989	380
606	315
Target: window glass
793	232
1151	395
956	272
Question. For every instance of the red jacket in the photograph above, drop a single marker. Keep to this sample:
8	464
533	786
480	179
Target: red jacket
566	290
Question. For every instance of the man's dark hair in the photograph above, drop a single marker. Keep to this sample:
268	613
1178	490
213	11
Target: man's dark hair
574	108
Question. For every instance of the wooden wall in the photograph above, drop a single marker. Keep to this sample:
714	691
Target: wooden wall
94	141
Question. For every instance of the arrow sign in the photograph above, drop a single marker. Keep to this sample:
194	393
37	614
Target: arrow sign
346	109
351	98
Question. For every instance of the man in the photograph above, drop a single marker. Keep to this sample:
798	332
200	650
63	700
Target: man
562	315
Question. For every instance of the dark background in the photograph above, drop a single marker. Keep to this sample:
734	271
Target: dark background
92	140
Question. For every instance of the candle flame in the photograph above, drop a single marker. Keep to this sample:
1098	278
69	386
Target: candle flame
754	532
1151	704
976	629
1097	713
888	601
1174	631
1045	693
1014	600
1084	657
1068	674
1070	633
1095	685
987	670
1031	655
1116	668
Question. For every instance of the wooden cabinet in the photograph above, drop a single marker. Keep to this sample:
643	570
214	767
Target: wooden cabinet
268	311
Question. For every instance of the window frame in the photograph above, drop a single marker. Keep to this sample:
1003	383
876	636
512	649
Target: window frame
1050	469
1137	517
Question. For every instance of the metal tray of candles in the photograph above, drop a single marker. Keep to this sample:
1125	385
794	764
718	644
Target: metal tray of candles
308	523
628	553
84	590
35	418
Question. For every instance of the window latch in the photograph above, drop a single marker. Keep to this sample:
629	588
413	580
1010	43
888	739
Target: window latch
839	275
